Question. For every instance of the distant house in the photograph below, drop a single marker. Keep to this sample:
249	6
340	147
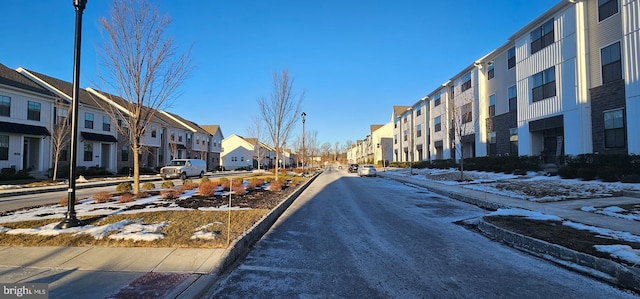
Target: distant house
216	144
240	152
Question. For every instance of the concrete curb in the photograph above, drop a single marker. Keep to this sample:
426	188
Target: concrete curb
618	274
241	245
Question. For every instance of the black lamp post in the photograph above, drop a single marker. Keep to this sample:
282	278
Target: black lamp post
70	218
303	149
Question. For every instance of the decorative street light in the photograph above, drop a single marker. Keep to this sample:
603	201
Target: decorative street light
303	149
70	217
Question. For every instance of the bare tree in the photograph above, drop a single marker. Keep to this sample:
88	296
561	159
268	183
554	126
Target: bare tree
311	145
462	127
326	150
336	151
255	130
280	111
142	67
60	129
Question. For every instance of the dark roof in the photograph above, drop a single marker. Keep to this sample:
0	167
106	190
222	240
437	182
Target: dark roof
12	78
67	88
98	137
23	129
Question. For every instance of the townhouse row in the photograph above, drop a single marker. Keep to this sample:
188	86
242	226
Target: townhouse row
32	105
565	84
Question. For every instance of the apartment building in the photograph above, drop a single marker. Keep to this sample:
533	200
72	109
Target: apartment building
241	152
216	144
565	84
26	121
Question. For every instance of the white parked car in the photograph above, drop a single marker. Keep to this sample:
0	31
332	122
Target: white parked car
366	170
183	168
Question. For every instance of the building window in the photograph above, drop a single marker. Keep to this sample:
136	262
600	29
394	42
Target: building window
513	98
180	135
395	139
154	132
452	90
106	124
542	36
614	129
492	144
188	138
173	135
544	85
33	112
88	152
59	115
125	153
419	130
64	154
611	63
465	113
88	120
513	141
4	147
437	125
405	135
436	101
5	106
511	57
419	111
492	105
490	72
466	82
607	8
404	120
395	125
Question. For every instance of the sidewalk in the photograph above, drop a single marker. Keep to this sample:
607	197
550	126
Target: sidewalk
97	272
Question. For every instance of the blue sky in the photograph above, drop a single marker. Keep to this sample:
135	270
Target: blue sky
354	59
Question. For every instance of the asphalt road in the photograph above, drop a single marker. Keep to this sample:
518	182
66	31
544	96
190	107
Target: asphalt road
351	237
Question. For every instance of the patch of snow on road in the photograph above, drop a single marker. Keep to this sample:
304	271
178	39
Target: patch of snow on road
535	215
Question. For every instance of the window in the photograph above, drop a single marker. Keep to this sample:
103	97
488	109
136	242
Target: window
490	72
64	154
607	8
436	101
154	132
437	126
465	113
106	124
513	98
544	85
59	115
88	152
513	141
542	36
395	139
466	82
611	64
125	153
88	120
492	105
33	112
180	135
188	138
492	144
419	130
173	135
452	91
4	147
395	125
234	159
405	135
404	120
5	106
419	111
511	57
614	129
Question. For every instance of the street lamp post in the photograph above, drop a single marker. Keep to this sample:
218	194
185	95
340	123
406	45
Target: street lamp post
70	217
304	115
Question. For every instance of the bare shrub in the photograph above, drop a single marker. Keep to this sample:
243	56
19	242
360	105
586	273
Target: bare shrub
207	188
188	185
65	200
167	185
169	194
239	189
225	185
275	186
142	195
102	197
148	186
127	197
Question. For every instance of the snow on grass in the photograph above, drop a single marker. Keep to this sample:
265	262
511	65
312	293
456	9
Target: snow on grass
203	233
623	252
604	232
535	215
140	232
614	211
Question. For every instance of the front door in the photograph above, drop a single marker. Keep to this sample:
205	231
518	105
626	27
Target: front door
105	155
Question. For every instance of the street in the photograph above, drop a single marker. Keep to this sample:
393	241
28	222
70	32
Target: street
347	236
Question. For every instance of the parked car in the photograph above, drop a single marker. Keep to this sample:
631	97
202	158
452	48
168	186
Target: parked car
367	170
183	168
353	168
